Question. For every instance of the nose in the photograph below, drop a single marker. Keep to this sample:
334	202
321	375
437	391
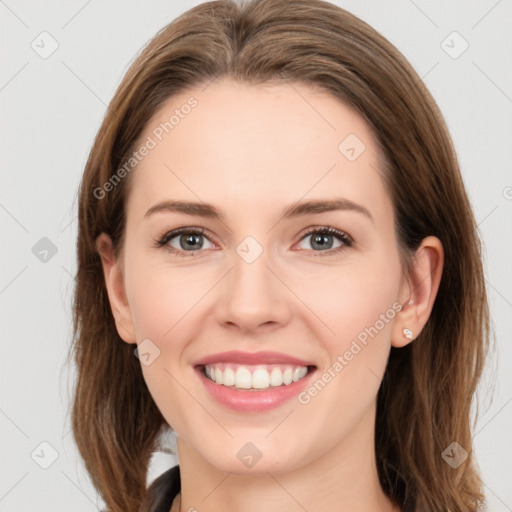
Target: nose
253	296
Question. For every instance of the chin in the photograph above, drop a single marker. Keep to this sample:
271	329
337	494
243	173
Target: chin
256	458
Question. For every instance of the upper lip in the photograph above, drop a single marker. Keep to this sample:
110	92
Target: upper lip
251	358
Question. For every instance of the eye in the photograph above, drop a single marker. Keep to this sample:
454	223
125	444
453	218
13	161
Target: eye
188	241
323	240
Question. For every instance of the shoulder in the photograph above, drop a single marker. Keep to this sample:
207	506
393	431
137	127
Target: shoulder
163	490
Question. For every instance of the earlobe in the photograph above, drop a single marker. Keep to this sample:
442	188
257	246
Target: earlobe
419	291
114	282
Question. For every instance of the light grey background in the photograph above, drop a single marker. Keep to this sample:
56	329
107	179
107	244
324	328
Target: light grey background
51	110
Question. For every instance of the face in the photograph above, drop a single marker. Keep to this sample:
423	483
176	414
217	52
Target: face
257	288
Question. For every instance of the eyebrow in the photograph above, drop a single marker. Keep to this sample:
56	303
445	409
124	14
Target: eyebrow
294	210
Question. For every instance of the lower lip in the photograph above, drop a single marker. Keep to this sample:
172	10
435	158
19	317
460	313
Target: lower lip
253	401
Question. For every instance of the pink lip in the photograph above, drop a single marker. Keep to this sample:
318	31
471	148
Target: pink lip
266	357
242	400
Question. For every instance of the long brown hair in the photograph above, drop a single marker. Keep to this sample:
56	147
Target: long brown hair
424	403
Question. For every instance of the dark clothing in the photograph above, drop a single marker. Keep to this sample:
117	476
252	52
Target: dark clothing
164	489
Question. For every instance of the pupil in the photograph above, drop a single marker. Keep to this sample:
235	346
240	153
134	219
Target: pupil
191	239
320	240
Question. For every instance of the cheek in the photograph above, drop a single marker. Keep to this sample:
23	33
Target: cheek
356	306
163	302
348	299
161	299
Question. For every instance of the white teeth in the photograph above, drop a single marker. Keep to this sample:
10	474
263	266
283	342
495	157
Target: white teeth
288	376
259	378
276	377
229	377
243	378
299	372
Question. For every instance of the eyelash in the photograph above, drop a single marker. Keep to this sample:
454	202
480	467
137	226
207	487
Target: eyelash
325	230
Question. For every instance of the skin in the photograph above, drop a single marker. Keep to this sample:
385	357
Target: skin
251	151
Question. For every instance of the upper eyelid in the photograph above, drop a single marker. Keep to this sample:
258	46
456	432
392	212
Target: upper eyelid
339	233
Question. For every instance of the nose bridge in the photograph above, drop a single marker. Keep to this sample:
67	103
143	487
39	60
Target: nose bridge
253	294
251	277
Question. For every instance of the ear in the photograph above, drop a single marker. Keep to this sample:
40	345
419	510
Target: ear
114	281
418	291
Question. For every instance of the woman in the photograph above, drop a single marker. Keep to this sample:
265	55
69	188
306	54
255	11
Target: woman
273	220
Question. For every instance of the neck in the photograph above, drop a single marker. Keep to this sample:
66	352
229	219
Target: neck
343	479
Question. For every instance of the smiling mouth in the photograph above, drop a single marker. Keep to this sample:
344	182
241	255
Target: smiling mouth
254	377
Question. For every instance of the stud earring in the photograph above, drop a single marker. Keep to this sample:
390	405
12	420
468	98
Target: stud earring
407	333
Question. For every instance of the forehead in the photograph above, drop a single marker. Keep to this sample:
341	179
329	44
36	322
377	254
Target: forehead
230	142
